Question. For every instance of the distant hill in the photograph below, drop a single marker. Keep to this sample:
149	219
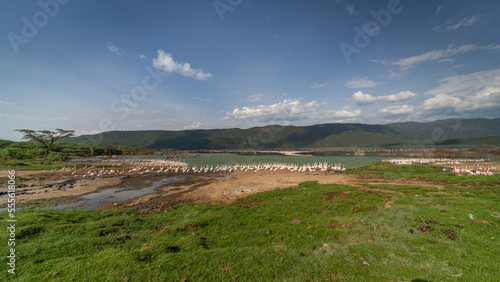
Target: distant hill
441	132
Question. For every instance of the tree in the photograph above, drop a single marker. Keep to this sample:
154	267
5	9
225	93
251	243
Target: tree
46	137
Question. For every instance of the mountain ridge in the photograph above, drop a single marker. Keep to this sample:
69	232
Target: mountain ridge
438	132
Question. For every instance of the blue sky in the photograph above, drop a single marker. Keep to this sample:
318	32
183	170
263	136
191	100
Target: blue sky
96	66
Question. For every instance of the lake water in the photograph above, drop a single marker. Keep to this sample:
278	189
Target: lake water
109	195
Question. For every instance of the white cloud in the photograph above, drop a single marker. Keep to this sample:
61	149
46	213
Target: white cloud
455	67
346	113
255	97
397	110
317	85
167	63
361	98
466	85
361	82
471	95
438	10
436	55
487	98
291	110
397	73
449	60
115	50
194	125
469	21
142	56
441	101
350	10
202	99
5	103
400	96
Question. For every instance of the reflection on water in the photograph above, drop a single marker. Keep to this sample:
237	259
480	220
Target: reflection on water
116	194
6	195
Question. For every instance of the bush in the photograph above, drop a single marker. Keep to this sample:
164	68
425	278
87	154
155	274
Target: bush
57	157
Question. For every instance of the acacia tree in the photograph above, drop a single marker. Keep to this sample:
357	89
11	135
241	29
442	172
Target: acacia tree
46	137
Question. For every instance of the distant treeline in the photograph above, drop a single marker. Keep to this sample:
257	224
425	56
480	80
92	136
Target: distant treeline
10	150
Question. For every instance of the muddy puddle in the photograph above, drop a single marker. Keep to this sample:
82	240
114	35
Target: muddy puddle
108	196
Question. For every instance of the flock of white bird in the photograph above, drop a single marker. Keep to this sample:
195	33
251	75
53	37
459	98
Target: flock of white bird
467	171
271	167
161	167
406	161
456	170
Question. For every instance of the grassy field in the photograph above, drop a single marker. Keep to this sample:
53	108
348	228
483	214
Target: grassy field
313	232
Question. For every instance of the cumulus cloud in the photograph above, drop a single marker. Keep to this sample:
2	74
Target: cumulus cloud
346	113
255	97
361	82
290	110
142	56
167	63
317	85
194	125
436	55
441	101
470	95
397	110
115	50
361	98
487	98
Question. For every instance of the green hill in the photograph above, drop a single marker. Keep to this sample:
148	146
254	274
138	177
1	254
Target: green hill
441	132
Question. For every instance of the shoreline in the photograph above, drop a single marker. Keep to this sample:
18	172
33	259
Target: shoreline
46	188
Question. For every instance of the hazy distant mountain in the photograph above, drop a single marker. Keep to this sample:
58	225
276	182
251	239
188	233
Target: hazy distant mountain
441	132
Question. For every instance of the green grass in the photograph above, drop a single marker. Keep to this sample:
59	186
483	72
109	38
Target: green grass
338	226
41	165
32	165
